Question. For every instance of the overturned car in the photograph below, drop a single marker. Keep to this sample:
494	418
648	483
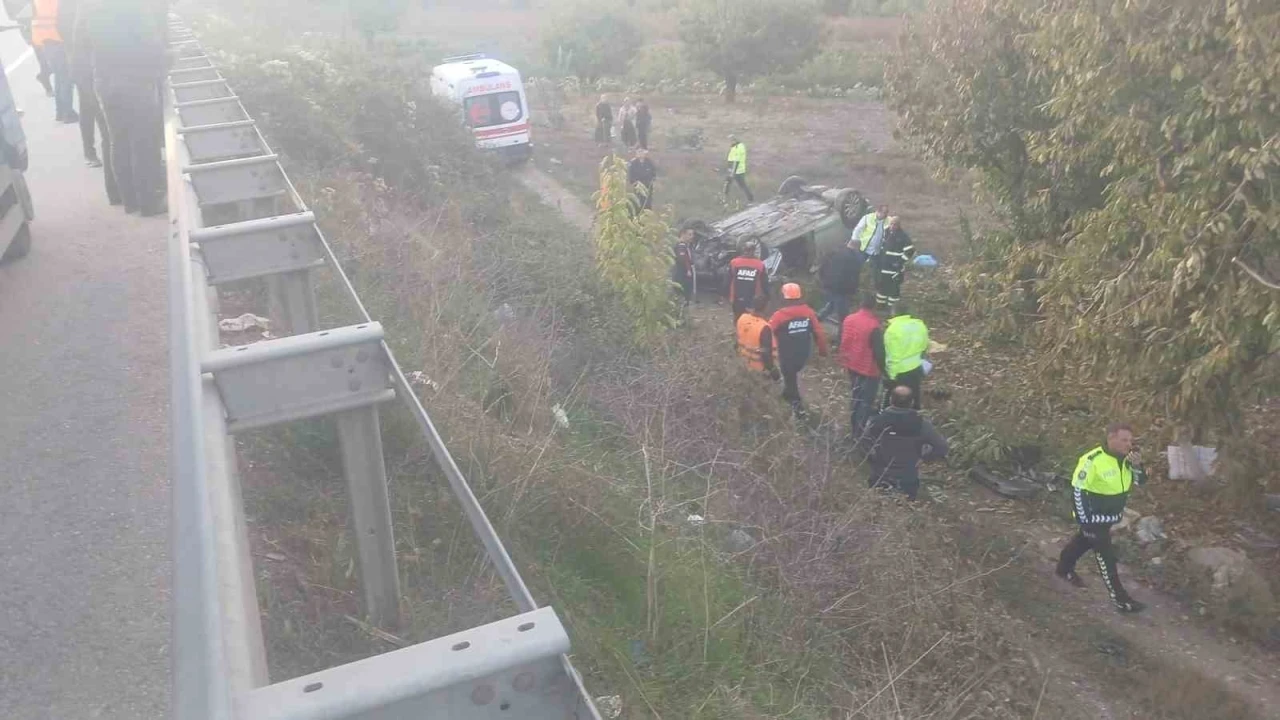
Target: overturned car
794	229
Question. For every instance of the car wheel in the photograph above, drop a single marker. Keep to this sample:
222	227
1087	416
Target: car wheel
851	206
20	246
792	186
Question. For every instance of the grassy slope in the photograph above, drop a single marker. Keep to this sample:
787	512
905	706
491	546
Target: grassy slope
660	612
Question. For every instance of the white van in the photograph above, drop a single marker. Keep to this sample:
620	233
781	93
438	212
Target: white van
492	99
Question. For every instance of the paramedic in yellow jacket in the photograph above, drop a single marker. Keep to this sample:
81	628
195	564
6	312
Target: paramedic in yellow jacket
1100	486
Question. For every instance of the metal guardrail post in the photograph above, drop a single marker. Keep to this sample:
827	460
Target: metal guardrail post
236	216
360	435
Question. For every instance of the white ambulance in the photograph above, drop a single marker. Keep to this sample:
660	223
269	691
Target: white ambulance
492	99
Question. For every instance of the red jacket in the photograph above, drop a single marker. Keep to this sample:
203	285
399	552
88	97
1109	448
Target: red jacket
747	275
795	328
862	344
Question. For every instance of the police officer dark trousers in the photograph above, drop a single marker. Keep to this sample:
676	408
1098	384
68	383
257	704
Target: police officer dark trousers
1100	485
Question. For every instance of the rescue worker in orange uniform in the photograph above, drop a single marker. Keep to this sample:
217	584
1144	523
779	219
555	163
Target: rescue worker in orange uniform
795	329
748	279
46	36
755	339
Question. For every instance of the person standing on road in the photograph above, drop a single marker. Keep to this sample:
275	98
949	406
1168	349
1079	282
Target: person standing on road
604	121
896	441
737	169
862	355
755	339
906	340
838	274
1100	485
20	11
125	42
890	265
91	120
748	279
641	171
869	232
45	35
644	121
795	328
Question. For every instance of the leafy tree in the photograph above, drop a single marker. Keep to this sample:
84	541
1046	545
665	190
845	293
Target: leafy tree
1133	147
375	17
632	254
592	41
741	39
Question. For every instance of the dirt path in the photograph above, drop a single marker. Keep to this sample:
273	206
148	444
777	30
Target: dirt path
574	210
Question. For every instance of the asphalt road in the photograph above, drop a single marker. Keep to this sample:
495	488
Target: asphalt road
83	442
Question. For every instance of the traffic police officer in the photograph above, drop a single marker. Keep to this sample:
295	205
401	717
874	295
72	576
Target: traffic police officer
1101	484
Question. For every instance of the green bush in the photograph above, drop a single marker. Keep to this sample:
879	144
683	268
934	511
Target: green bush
835	68
591	42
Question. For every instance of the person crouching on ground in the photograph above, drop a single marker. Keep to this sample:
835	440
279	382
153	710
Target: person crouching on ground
795	328
896	441
1100	487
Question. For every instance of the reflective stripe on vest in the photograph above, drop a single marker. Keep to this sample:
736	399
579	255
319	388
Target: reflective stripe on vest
1101	473
749	327
905	341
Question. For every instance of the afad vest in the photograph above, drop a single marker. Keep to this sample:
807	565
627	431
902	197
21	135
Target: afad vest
855	344
749	329
905	341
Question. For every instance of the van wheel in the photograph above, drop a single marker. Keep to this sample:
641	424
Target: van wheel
20	246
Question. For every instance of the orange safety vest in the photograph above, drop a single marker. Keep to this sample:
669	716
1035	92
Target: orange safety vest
749	328
44	22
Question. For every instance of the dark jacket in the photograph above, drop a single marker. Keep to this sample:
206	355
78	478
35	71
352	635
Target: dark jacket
895	443
839	271
643	117
125	41
643	171
604	112
895	252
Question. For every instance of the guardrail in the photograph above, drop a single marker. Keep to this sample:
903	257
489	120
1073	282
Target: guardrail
235	216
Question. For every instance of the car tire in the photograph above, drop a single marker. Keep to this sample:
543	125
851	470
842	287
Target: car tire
851	206
792	186
20	246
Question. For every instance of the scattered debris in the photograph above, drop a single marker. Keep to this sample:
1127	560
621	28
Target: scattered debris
247	321
1157	561
376	632
1018	488
696	520
421	379
562	417
1232	573
936	347
1187	462
740	541
610	706
1252	537
1273	502
505	313
555	161
1150	529
926	261
278	557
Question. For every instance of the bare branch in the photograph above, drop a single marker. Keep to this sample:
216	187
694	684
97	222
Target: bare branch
1255	274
